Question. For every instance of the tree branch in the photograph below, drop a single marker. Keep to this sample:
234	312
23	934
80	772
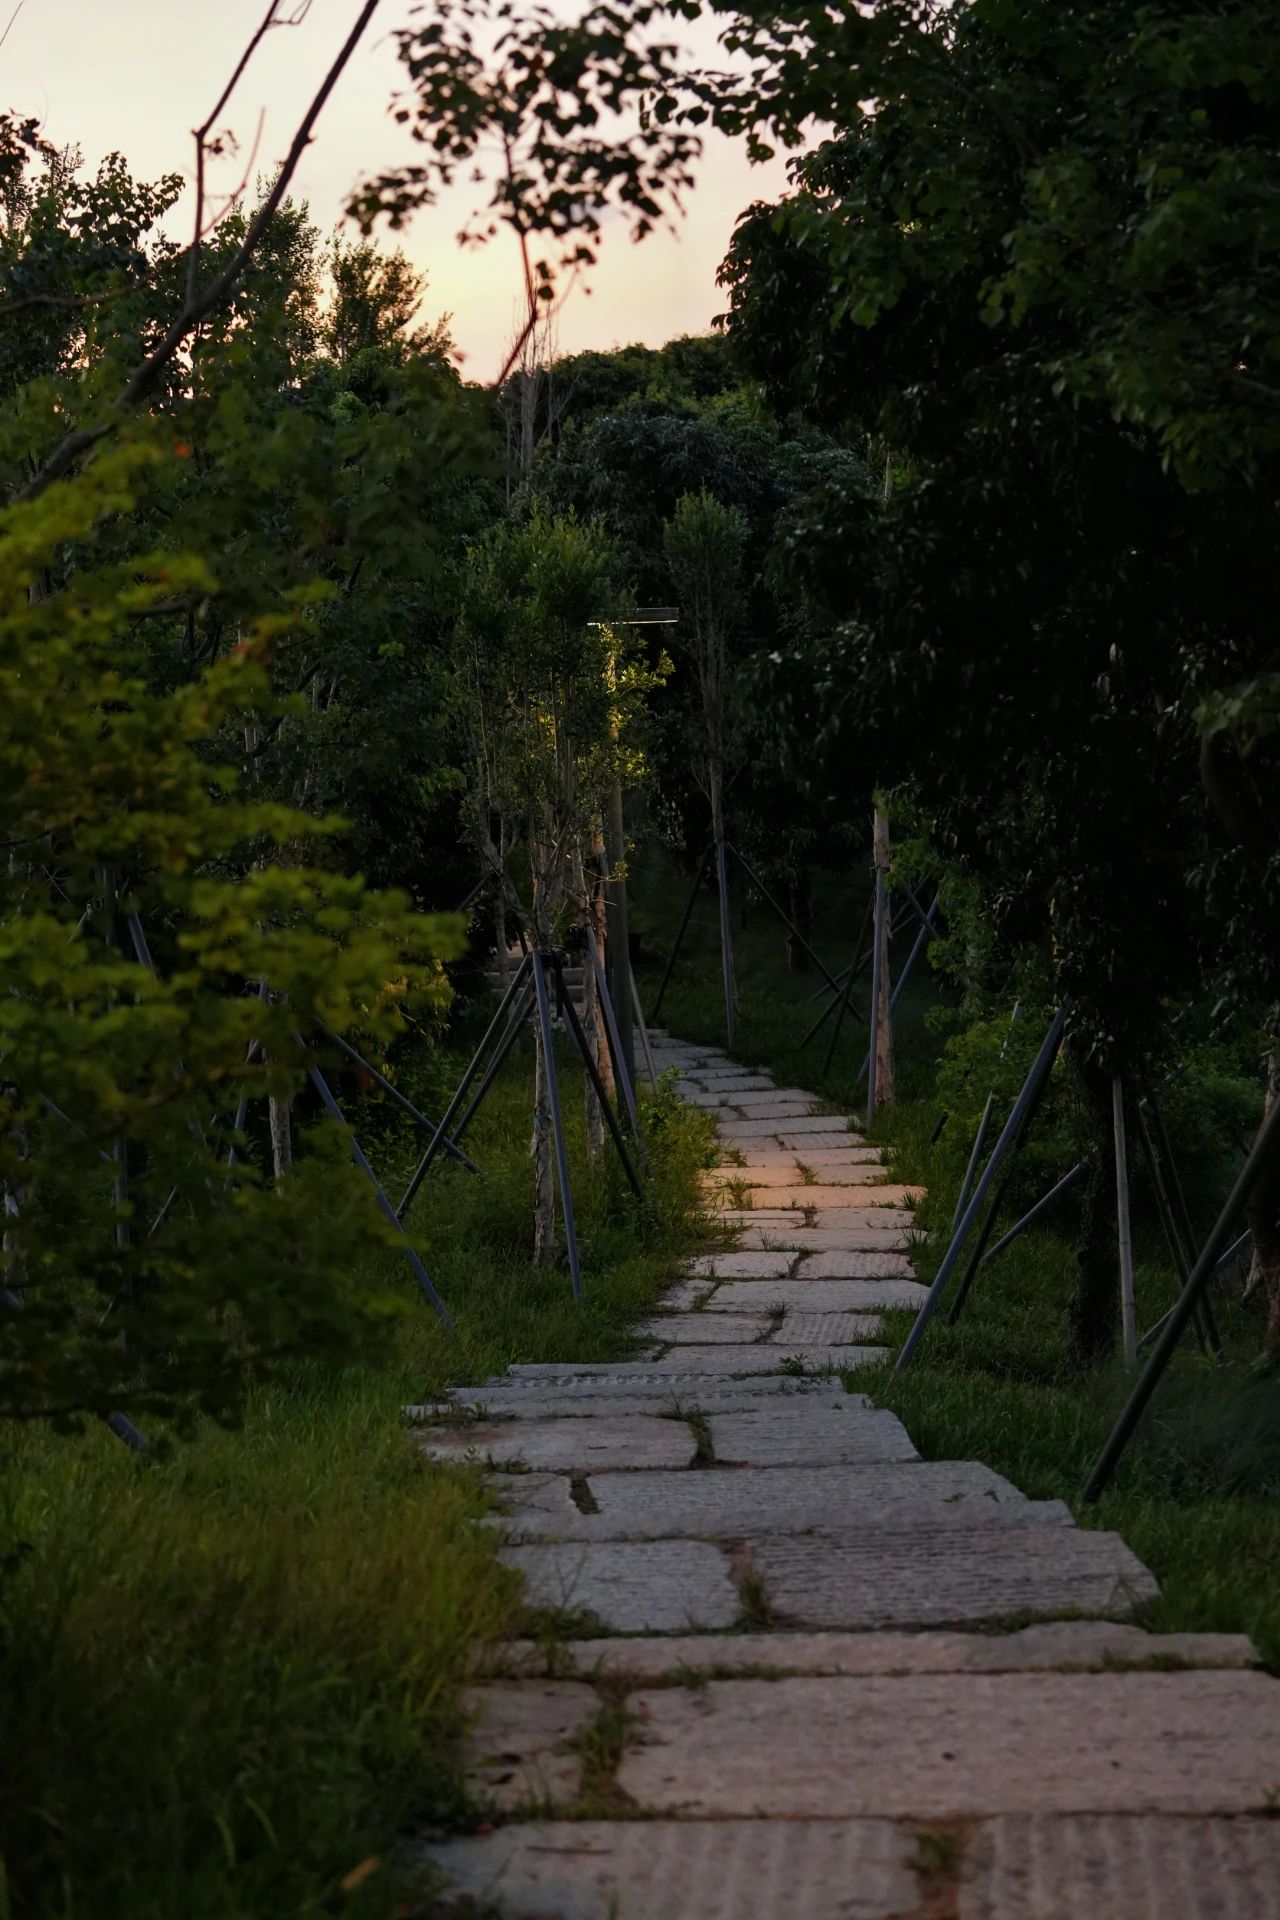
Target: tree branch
197	306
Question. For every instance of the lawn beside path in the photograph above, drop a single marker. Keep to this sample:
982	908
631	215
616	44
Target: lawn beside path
233	1674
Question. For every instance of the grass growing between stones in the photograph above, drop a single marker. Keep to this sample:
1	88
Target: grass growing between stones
1198	1494
231	1670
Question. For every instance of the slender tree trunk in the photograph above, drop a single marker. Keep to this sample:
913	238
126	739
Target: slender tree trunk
715	788
1093	1316
280	1113
546	1245
592	1021
1264	1209
883	1063
800	903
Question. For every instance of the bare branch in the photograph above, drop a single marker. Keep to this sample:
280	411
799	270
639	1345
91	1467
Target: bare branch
197	306
69	301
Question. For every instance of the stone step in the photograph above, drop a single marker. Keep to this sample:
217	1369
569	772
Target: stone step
948	1577
851	1502
807	1435
815	1296
666	1870
651	1586
1149	1867
1054	1645
939	1747
864	1236
673	1394
694	1363
609	1442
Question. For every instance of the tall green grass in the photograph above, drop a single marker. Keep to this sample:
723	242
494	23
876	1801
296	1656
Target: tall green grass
231	1671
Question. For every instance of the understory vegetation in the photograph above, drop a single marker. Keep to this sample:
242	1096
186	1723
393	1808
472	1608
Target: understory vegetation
232	1672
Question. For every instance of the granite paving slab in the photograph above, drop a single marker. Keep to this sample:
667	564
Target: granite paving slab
668	1394
566	1446
819	1296
809	1435
1052	1646
670	1870
867	1237
869	1193
841	1264
653	1586
1149	1867
948	1577
947	1746
732	1264
810	1128
518	1752
703	1329
822	1329
847	1501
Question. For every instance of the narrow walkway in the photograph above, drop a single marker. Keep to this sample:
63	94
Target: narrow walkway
789	1671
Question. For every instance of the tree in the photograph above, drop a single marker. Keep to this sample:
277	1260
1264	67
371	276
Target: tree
551	705
1029	270
703	543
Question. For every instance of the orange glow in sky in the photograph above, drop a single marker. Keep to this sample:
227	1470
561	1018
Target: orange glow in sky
135	76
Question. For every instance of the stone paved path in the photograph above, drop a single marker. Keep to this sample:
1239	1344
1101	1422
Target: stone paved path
791	1674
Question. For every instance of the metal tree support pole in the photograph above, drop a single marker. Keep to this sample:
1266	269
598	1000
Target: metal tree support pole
839	1006
993	1211
1236	1247
847	978
1040	1069
643	1031
557	1121
424	1165
692	902
620	1070
1261	1153
419	1272
726	943
905	975
757	882
1124	1229
1178	1195
877	950
448	1146
1181	1250
980	1138
497	1060
593	1074
1042	1205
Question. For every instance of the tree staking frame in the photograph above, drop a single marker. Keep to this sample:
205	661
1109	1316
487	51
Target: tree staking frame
527	999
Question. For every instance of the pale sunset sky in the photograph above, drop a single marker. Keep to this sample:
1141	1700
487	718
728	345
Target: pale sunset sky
137	75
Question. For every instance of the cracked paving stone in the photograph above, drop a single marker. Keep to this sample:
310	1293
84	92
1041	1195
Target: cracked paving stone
653	1586
926	1747
517	1753
824	1329
670	1395
768	1504
615	1441
669	1870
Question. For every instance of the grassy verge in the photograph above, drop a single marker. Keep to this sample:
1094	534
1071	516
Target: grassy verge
231	1675
1198	1495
